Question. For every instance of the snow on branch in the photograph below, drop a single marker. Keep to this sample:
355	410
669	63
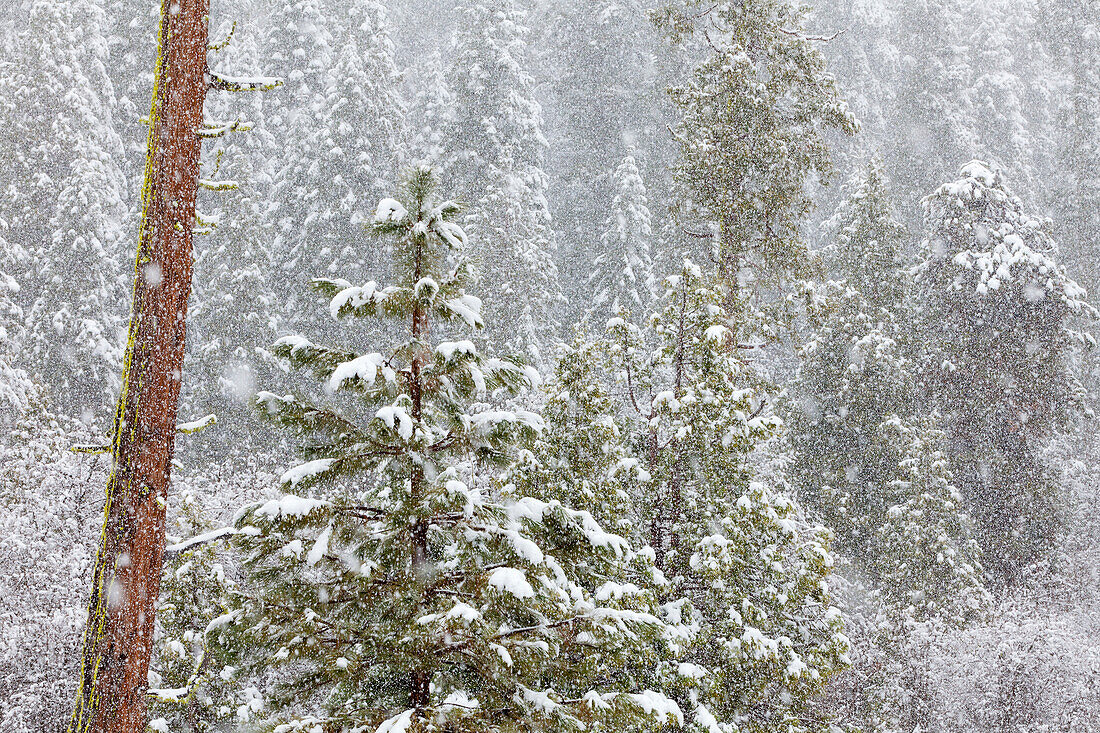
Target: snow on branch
199	540
223	83
212	130
189	428
218	185
205	224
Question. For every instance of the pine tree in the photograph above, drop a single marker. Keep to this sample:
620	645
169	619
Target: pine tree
495	156
997	322
413	597
432	111
622	277
932	101
854	374
582	458
864	460
742	576
362	142
300	46
754	118
16	389
929	563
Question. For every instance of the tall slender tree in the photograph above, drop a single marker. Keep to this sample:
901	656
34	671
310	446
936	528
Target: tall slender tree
594	60
741	574
301	49
622	277
118	638
754	116
16	389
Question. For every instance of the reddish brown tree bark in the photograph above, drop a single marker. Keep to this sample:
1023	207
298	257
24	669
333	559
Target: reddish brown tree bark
126	580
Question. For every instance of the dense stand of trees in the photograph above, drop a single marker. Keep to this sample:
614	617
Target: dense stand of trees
722	364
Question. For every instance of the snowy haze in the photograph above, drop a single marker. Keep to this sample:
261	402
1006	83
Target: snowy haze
800	415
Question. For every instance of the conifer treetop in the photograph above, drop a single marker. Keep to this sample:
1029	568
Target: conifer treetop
979	231
754	114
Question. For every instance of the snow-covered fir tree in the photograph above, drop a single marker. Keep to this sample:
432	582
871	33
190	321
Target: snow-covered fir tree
743	577
867	250
494	158
299	48
603	101
998	329
363	141
872	468
1013	106
930	563
582	458
413	596
934	67
1074	193
432	110
854	374
132	48
16	388
339	128
858	439
622	275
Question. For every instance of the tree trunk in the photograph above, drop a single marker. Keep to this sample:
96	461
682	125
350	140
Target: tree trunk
126	578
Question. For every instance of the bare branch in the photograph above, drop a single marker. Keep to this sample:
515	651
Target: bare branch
697	235
91	449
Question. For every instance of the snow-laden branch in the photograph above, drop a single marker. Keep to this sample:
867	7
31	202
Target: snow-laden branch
215	47
198	540
223	83
218	185
212	130
187	428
